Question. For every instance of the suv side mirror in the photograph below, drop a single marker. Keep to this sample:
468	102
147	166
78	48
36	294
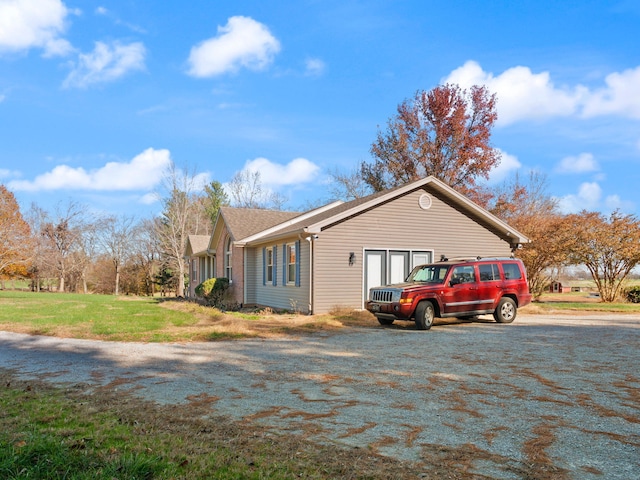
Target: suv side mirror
455	281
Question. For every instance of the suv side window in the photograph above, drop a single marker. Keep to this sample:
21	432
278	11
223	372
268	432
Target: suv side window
511	271
463	274
489	272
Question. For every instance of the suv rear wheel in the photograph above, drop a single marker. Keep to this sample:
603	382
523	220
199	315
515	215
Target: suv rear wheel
506	311
424	315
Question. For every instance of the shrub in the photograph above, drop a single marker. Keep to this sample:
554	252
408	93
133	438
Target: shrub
215	292
632	294
204	289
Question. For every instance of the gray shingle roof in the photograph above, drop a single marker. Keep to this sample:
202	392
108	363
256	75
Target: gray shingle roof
243	222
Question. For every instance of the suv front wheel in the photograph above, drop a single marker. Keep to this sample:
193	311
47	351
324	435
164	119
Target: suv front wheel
424	315
506	311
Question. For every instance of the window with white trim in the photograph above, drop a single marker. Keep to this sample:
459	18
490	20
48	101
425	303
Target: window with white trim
269	264
227	259
291	264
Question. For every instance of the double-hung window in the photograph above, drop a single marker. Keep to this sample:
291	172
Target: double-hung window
291	264
269	264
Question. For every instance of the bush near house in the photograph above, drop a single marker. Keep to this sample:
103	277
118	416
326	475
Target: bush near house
214	291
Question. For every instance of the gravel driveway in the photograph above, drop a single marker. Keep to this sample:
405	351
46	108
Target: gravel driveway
544	394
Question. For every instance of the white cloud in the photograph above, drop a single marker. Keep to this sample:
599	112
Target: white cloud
523	95
297	171
143	172
314	67
242	42
508	164
28	24
105	64
6	173
587	198
620	96
583	163
614	202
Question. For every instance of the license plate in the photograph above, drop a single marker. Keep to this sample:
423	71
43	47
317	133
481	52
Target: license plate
375	307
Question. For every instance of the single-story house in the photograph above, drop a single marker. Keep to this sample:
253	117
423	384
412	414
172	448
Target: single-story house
331	256
572	286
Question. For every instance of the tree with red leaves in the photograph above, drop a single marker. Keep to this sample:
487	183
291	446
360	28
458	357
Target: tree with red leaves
445	132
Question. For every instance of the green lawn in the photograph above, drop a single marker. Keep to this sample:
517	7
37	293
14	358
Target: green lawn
89	316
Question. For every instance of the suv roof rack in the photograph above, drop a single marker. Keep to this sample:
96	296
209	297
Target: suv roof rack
444	258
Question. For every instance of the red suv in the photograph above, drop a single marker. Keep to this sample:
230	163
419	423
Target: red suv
462	288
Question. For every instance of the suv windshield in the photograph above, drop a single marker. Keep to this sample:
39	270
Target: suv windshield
428	273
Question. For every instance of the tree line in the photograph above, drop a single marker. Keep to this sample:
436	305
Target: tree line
445	132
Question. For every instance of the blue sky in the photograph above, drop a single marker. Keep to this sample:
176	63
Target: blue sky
97	98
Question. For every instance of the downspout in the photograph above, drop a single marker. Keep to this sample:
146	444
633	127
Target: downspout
244	276
310	239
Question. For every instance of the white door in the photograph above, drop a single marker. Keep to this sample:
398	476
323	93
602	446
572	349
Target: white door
375	270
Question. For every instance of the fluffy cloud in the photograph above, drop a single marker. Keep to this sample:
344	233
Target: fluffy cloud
297	171
620	96
583	163
242	42
508	163
105	64
144	172
524	95
521	93
587	198
29	24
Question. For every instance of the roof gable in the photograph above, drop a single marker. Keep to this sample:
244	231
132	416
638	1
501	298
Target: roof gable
314	224
196	244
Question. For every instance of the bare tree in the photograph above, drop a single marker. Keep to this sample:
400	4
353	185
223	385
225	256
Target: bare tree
63	253
348	185
247	191
116	238
182	216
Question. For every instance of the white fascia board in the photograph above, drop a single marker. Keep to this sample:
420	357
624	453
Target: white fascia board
294	220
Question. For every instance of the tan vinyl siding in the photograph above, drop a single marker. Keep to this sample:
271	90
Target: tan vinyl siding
398	225
288	297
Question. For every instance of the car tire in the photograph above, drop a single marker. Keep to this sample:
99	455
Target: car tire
385	321
506	311
424	315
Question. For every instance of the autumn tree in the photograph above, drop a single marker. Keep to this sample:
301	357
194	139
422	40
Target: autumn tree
16	243
608	247
445	132
528	208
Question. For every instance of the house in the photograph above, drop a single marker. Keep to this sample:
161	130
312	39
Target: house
330	256
572	286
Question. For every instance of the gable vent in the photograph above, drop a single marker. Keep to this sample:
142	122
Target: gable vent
425	201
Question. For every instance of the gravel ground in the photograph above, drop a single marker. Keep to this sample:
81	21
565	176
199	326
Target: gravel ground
558	395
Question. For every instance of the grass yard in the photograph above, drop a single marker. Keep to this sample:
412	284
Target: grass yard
146	319
54	433
64	433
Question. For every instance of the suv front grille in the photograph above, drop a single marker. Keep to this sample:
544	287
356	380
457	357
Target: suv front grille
384	296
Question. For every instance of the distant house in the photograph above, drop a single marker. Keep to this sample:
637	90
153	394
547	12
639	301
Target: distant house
572	286
330	256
